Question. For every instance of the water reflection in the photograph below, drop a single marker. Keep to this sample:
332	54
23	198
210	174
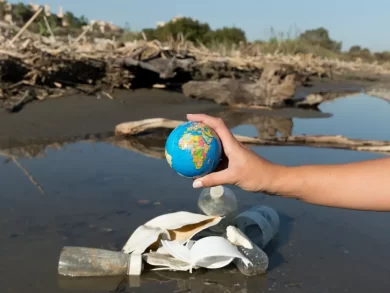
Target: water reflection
267	124
93	189
360	116
200	281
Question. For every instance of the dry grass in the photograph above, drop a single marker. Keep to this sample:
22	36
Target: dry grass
295	53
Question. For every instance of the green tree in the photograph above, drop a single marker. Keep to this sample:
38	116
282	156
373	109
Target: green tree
355	49
382	56
192	30
21	13
150	33
320	37
2	10
226	35
361	53
75	22
83	20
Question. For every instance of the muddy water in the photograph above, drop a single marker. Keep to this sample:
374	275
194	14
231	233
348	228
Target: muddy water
96	194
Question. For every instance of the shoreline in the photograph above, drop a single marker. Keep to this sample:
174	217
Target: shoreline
46	70
82	117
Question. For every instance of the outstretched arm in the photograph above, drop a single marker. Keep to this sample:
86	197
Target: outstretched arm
362	185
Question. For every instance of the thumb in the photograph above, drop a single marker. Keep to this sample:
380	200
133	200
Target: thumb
213	179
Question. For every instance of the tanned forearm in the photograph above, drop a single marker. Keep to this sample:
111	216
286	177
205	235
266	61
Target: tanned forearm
362	185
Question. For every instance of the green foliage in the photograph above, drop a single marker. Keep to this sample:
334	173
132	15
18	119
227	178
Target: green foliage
355	49
290	43
382	56
356	52
21	13
196	32
315	41
75	22
150	33
226	35
191	29
2	9
320	37
129	35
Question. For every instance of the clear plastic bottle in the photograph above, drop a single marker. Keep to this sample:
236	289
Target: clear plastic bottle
253	230
260	224
91	262
251	251
218	201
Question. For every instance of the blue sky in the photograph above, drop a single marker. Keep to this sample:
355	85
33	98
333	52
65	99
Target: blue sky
351	21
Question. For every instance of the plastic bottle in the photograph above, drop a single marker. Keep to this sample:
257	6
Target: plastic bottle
253	230
251	251
88	262
260	224
218	201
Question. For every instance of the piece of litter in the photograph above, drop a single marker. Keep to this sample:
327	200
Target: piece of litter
180	226
211	252
165	262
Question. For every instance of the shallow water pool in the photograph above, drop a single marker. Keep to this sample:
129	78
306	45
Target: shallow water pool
95	194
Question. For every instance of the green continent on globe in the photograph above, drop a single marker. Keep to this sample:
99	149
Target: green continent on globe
169	158
197	139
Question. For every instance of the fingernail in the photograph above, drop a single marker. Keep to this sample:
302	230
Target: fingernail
197	184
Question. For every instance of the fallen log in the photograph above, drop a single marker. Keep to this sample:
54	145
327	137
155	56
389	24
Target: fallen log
271	90
165	68
274	89
239	79
15	104
139	127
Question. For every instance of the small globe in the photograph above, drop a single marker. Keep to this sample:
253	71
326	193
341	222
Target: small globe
193	149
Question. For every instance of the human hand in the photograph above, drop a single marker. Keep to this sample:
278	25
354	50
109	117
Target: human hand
240	165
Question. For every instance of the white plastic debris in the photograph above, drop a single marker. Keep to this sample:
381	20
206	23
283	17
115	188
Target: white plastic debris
211	252
180	226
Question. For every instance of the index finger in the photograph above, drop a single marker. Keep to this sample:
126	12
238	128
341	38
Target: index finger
227	138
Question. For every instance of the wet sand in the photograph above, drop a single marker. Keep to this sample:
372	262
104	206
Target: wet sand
92	193
78	116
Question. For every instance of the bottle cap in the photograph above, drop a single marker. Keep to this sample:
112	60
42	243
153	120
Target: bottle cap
216	191
135	265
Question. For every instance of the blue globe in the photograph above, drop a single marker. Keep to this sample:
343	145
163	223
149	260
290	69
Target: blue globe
193	149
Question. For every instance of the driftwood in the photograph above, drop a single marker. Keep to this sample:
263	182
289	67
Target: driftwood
274	89
50	67
165	68
267	124
135	128
26	25
16	103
